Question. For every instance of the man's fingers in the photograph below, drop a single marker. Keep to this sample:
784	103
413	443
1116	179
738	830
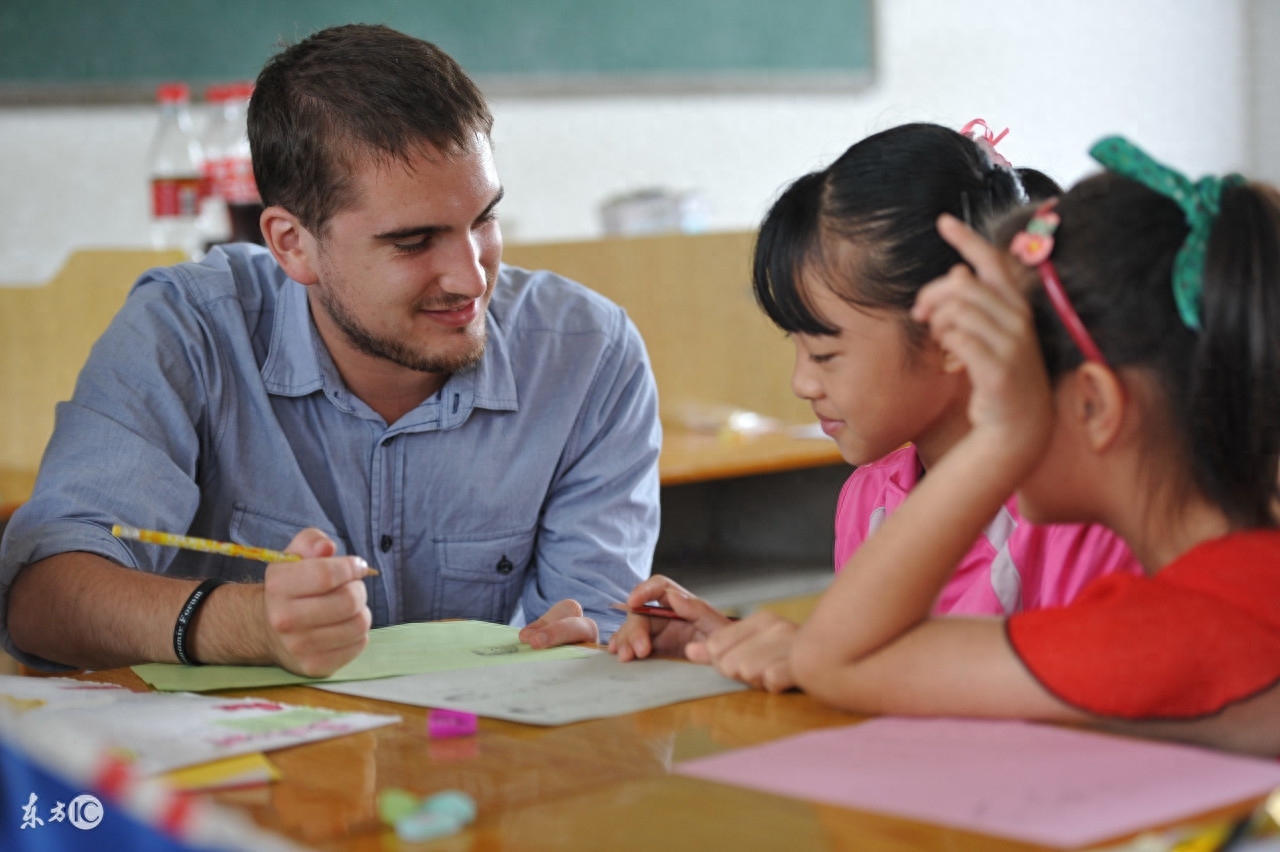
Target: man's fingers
325	663
567	608
311	543
313	576
564	631
323	650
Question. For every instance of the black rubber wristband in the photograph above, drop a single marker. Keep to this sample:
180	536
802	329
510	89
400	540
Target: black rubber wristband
185	617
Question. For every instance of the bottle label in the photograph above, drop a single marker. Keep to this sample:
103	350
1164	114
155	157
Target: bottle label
231	179
175	197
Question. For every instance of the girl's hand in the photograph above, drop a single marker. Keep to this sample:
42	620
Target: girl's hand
982	318
643	635
756	651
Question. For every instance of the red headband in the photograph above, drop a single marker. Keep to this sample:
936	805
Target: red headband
1033	247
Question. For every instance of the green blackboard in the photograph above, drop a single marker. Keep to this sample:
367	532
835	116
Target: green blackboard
119	49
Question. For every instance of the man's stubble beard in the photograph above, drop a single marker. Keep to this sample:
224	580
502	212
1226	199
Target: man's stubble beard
395	351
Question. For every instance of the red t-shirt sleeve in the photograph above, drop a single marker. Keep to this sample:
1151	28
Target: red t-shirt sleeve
1202	634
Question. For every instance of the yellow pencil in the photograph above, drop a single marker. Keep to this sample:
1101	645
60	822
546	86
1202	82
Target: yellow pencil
226	548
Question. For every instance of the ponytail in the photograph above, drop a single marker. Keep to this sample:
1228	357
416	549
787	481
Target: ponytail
1235	379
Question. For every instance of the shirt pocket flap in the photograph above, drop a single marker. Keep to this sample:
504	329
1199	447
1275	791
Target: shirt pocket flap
255	528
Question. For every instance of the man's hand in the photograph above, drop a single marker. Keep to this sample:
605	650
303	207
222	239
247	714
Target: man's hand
643	635
756	651
316	612
563	624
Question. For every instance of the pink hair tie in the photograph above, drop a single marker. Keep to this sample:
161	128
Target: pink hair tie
987	141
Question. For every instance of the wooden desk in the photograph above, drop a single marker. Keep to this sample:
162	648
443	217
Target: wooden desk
698	457
604	784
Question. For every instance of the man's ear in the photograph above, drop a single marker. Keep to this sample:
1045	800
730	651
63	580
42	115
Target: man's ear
1100	404
292	245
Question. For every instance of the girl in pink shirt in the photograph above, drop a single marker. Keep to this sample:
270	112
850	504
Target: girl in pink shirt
1014	566
839	261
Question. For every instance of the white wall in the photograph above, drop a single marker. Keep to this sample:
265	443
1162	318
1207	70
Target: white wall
1263	107
1172	74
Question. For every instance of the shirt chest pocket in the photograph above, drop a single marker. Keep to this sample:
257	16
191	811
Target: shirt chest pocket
255	528
481	576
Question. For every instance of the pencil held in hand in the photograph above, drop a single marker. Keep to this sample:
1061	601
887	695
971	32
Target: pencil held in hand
653	610
205	545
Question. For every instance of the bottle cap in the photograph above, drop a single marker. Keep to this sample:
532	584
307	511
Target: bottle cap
173	93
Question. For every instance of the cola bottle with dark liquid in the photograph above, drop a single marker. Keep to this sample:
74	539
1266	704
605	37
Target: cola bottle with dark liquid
236	206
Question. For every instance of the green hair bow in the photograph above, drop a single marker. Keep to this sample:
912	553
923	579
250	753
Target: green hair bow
1200	203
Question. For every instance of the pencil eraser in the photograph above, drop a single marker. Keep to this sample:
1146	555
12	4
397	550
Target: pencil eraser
424	825
452	803
442	724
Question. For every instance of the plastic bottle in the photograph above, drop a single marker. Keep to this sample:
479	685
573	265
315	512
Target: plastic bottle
176	161
215	221
229	167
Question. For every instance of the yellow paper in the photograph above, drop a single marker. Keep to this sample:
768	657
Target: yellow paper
242	771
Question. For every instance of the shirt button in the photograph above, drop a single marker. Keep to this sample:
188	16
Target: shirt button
504	566
386	442
386	543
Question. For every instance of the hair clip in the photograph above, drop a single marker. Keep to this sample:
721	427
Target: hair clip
1034	246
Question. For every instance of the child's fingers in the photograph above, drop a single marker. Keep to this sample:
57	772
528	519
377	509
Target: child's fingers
632	641
987	261
1002	330
654	589
960	295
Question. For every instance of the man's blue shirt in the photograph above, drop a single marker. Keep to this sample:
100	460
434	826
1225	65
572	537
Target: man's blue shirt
211	406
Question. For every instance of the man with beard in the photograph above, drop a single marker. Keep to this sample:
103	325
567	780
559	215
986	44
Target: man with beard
373	390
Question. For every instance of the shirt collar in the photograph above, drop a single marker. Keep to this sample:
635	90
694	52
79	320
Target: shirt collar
902	479
298	363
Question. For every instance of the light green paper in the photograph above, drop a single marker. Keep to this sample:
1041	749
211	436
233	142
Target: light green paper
299	717
432	646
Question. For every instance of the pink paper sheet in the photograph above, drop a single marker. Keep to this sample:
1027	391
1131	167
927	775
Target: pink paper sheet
1036	783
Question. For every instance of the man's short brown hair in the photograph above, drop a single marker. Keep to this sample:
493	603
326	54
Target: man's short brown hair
350	93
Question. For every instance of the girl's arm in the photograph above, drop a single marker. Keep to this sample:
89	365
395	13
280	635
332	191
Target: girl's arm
870	645
1251	726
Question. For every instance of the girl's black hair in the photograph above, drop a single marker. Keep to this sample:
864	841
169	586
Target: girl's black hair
1038	185
1114	251
882	198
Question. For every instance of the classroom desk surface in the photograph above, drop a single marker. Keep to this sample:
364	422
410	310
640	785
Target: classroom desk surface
603	784
697	456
